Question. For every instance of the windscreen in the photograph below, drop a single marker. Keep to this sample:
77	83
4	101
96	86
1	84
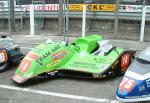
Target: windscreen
140	66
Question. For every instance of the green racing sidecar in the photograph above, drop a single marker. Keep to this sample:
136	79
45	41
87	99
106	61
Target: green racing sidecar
87	57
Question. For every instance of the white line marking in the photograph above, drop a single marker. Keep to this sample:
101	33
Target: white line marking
54	94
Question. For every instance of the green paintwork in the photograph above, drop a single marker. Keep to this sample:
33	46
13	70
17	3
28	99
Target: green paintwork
77	57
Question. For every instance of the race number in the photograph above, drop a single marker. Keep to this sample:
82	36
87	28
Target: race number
24	66
127	84
3	56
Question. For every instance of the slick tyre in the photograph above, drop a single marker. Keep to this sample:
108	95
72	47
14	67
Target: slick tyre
3	66
125	61
123	64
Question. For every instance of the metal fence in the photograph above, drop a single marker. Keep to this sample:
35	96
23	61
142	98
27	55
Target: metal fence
46	22
131	2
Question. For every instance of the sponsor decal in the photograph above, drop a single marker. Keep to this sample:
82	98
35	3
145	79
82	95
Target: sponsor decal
84	65
53	63
32	55
127	84
24	66
92	7
41	58
142	88
59	55
56	48
148	83
99	60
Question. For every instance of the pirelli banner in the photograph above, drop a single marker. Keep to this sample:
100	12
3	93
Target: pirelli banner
92	7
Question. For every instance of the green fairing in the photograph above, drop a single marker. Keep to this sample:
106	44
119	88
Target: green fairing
74	57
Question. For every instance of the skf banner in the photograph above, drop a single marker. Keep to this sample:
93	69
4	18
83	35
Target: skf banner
92	7
101	7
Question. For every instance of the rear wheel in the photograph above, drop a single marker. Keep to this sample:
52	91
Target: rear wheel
125	61
3	66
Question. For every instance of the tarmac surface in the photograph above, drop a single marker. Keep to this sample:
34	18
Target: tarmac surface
37	39
61	90
58	90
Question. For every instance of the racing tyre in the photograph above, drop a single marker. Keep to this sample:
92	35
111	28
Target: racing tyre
125	62
3	66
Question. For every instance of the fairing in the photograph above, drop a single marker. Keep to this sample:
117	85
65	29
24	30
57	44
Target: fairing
135	86
78	56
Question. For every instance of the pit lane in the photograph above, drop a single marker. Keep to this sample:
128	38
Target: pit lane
72	87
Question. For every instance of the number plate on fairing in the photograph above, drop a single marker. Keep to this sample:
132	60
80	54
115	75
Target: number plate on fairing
2	57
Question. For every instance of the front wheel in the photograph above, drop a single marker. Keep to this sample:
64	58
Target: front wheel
3	66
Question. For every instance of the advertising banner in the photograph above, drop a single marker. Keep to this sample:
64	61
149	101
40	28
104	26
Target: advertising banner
76	7
133	8
39	7
92	7
102	7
